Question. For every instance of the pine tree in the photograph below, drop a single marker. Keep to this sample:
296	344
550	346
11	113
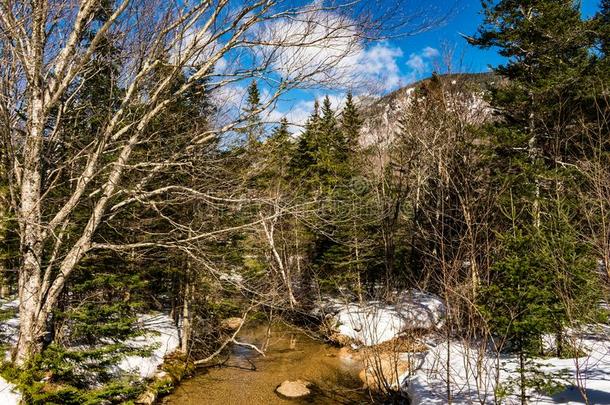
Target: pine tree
305	156
280	144
539	102
547	47
351	123
277	152
253	125
602	26
354	220
326	158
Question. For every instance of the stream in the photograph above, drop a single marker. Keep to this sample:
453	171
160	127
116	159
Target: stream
248	378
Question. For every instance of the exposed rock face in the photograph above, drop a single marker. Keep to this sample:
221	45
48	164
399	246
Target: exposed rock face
294	389
464	94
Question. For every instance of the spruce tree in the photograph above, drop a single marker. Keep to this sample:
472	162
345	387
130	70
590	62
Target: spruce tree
327	159
547	47
305	156
280	145
332	165
253	125
351	123
602	26
277	152
539	103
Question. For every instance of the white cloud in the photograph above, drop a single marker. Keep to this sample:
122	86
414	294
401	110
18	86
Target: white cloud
378	65
416	63
420	62
194	47
430	53
316	48
326	50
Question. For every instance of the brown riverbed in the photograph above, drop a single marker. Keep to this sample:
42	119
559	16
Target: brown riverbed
248	378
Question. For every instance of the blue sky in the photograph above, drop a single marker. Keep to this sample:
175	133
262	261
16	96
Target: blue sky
406	59
465	20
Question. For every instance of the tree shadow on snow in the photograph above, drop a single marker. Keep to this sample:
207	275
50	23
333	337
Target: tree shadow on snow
573	396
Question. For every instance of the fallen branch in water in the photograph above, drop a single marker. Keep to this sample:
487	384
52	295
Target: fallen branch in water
231	340
249	345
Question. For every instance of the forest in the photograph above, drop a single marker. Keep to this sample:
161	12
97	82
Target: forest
451	237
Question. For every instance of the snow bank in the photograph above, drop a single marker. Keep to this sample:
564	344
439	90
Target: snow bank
10	332
10	327
162	335
374	322
473	374
8	394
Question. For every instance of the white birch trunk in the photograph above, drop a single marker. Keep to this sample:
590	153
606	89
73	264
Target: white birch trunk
31	327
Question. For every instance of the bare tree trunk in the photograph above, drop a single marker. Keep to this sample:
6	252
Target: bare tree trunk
31	325
284	269
186	326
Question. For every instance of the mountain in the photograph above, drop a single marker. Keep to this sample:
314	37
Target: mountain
462	93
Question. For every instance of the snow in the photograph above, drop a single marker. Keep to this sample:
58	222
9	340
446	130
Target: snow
473	373
8	394
10	327
232	277
162	335
10	331
373	322
471	380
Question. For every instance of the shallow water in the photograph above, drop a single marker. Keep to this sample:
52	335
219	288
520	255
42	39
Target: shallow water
250	379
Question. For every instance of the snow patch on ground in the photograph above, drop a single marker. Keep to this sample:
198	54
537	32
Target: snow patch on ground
374	322
8	394
10	327
10	332
473	374
162	335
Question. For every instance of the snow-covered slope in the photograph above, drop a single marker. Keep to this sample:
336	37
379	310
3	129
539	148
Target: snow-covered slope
473	374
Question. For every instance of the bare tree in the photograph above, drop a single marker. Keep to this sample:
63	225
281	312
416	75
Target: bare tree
45	63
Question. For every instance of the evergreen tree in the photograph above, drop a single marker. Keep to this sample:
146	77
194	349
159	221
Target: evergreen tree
327	159
253	125
539	102
305	157
276	154
602	26
280	148
351	123
547	47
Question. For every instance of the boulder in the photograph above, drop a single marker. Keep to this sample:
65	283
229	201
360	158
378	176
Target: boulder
294	389
384	371
230	324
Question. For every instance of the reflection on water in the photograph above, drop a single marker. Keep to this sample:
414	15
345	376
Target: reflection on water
249	379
